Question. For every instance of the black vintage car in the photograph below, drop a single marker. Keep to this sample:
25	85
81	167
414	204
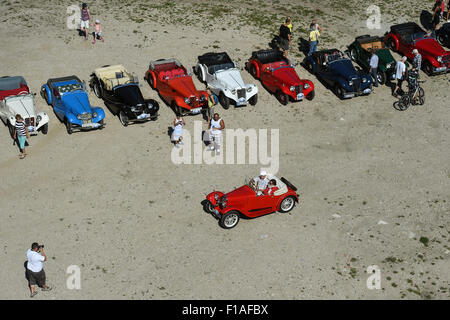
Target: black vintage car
443	35
120	91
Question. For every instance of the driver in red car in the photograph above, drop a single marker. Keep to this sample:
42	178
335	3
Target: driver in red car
261	183
271	188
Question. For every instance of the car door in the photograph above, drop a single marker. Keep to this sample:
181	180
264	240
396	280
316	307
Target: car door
267	78
260	205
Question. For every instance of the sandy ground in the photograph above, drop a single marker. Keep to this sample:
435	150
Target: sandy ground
113	203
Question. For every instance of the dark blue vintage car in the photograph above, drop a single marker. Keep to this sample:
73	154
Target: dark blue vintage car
336	71
70	102
443	35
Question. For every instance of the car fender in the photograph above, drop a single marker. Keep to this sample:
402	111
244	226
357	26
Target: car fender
44	119
72	118
258	72
49	94
201	72
210	197
344	84
100	114
179	101
152	75
432	60
12	120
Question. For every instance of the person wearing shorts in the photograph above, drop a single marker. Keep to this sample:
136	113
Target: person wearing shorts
21	134
97	32
35	268
177	134
285	36
85	18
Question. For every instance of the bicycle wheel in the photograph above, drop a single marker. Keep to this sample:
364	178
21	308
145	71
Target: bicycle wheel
421	100
404	102
421	92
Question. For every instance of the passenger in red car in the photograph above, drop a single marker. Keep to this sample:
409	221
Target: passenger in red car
271	188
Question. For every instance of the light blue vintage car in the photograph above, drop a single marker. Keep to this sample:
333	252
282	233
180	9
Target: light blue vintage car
70	102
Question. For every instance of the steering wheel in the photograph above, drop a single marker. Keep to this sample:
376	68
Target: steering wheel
252	184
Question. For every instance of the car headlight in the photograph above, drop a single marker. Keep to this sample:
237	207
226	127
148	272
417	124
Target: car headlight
79	116
306	86
249	89
186	100
364	80
94	114
216	197
223	201
439	59
233	91
350	83
292	88
38	119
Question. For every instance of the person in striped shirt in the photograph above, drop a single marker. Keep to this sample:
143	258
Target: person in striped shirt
21	134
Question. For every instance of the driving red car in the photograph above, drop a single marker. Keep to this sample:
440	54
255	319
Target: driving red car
173	82
278	75
228	208
406	37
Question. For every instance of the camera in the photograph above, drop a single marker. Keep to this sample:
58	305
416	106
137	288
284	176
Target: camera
41	246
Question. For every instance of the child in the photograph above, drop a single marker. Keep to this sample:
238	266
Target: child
85	18
21	134
97	32
177	133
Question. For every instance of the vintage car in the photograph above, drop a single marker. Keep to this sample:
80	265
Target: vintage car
360	52
176	87
122	95
405	37
278	76
443	35
16	98
228	208
336	70
224	78
70	102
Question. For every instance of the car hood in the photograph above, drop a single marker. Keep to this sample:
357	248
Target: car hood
231	79
385	57
343	68
130	94
184	86
241	192
430	46
287	75
23	105
77	102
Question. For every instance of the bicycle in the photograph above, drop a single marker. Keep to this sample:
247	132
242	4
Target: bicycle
414	89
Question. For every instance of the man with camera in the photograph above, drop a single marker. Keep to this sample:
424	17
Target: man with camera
35	268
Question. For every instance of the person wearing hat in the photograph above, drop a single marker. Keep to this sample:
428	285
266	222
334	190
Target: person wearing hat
400	71
417	61
85	18
98	32
261	182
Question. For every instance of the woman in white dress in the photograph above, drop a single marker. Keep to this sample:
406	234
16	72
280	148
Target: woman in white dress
216	125
177	133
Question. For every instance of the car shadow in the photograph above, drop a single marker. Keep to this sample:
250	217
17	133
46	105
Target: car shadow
303	46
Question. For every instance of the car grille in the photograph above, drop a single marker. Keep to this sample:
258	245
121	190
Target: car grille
241	93
298	89
355	85
446	59
85	116
29	121
193	102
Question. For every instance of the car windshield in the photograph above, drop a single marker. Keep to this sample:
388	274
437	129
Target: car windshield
335	56
419	36
70	88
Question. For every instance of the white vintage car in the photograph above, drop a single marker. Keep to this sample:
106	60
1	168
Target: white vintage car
224	78
15	98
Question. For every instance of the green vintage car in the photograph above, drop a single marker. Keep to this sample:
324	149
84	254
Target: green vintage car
359	51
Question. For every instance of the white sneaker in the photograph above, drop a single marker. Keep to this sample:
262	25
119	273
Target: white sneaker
212	147
218	152
177	146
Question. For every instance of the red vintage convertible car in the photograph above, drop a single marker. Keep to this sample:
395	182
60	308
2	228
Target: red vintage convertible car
176	87
244	201
405	37
278	75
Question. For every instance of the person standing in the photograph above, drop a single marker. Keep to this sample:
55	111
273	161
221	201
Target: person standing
437	16
400	71
374	67
21	134
35	268
85	18
177	134
216	125
211	103
285	37
417	61
314	35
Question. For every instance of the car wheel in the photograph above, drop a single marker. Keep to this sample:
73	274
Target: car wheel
253	71
392	44
428	68
150	81
229	220
69	127
200	75
123	118
44	128
224	101
311	95
339	92
287	204
209	207
253	100
353	54
282	97
11	129
441	39
44	95
381	77
403	104
97	90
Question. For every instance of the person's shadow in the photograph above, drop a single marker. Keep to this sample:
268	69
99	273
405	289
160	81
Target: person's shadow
303	46
26	273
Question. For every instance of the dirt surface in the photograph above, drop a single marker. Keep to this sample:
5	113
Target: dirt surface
374	182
